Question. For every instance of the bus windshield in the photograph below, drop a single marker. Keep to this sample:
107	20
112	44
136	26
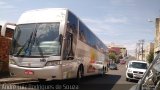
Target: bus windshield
36	40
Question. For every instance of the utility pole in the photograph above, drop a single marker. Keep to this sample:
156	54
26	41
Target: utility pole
137	51
141	42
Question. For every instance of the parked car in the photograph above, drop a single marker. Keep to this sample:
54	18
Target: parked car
151	79
122	61
136	69
113	66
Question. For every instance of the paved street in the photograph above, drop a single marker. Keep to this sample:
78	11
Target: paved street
42	40
113	80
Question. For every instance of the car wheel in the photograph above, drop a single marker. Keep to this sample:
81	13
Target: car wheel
127	79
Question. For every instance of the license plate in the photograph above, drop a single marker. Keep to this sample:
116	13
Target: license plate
28	72
138	76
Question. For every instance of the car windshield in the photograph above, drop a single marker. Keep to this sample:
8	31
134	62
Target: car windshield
112	64
138	65
36	39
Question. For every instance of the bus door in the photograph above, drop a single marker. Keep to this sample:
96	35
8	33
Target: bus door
70	44
69	52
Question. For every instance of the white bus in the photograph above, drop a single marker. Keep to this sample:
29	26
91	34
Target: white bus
52	44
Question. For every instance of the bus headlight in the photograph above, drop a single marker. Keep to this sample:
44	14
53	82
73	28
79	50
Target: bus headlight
52	63
11	61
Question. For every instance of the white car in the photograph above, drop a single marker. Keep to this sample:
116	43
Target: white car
136	69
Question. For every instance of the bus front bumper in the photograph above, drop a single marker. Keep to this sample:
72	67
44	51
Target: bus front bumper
48	72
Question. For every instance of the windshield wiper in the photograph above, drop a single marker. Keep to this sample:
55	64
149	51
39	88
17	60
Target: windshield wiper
30	45
32	39
28	42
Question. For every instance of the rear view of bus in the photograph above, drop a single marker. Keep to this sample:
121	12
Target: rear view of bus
46	45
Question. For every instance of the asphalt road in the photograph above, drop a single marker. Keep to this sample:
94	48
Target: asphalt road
113	80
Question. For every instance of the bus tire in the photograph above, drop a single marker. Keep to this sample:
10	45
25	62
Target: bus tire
80	72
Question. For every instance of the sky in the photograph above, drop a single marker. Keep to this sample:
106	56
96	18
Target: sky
122	22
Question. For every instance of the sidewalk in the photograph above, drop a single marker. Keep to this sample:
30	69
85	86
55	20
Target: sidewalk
14	80
5	78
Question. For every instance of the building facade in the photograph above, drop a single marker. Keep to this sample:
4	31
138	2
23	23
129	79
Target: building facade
119	49
149	48
157	37
5	43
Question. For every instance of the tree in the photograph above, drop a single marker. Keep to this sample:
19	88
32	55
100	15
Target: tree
150	57
112	56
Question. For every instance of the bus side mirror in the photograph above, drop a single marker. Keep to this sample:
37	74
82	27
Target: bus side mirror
60	39
4	27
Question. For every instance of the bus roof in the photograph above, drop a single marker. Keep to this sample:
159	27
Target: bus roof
43	15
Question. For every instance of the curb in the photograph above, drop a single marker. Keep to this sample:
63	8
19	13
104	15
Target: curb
14	80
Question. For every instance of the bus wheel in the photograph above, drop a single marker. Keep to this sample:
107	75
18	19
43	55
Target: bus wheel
41	80
80	72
